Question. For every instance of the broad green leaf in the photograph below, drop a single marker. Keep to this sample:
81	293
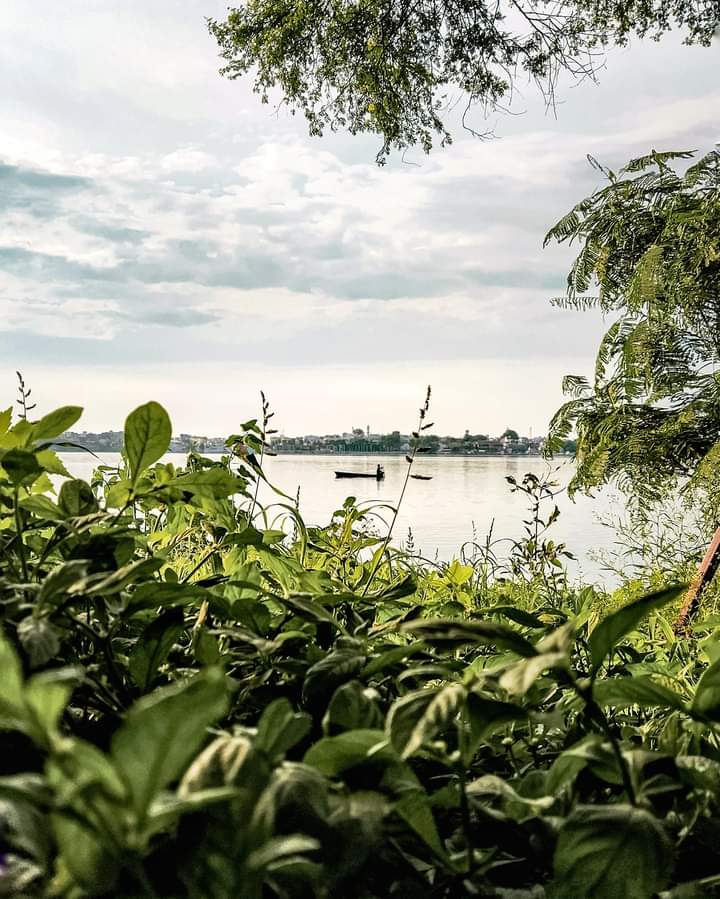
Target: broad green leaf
609	852
280	728
391	657
21	466
11	682
333	755
163	731
211	483
454	632
706	702
164	594
519	616
39	639
41	507
76	498
154	645
642	691
5	419
47	695
612	629
486	716
51	463
415	811
352	707
83	854
323	678
54	423
417	718
522	675
147	437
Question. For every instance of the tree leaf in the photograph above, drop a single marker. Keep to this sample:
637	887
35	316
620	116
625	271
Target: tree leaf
609	852
147	437
163	731
613	628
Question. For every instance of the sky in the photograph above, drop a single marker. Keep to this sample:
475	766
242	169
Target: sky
164	235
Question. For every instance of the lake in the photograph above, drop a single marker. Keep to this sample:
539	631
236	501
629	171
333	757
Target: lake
467	496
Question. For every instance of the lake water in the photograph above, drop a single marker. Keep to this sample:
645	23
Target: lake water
466	497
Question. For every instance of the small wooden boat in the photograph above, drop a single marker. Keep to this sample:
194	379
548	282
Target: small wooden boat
422	477
377	475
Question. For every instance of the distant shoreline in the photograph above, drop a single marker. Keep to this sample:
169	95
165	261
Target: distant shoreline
327	455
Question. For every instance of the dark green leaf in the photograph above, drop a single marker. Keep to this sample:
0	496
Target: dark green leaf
21	466
609	852
76	498
163	731
642	691
280	728
154	646
451	632
612	629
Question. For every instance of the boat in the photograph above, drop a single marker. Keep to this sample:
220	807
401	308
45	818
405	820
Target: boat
422	477
377	475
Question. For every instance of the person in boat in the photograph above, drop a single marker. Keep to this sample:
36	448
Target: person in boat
380	473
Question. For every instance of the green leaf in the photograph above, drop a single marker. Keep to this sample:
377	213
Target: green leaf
487	716
39	639
76	498
323	678
147	437
452	632
415	811
280	728
163	731
21	466
154	645
11	682
609	852
612	629
212	483
642	691
352	707
47	695
333	755
519	616
418	717
54	423
163	594
706	702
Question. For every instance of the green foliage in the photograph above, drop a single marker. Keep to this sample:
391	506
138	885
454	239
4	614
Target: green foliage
391	68
650	240
194	704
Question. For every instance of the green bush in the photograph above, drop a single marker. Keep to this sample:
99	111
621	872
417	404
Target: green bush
195	703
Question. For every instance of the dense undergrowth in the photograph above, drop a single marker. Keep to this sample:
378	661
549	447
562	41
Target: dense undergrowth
196	702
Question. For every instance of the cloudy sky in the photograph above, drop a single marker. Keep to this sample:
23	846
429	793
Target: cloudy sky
165	236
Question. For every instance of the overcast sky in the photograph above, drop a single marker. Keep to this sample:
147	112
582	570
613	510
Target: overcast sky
165	236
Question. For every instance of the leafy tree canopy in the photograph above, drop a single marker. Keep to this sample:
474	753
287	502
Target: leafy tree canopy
395	67
651	244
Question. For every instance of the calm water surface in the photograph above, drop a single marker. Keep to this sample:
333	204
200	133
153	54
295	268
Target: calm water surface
466	497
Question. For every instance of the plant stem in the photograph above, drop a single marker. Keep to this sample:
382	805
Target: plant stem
410	460
19	529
